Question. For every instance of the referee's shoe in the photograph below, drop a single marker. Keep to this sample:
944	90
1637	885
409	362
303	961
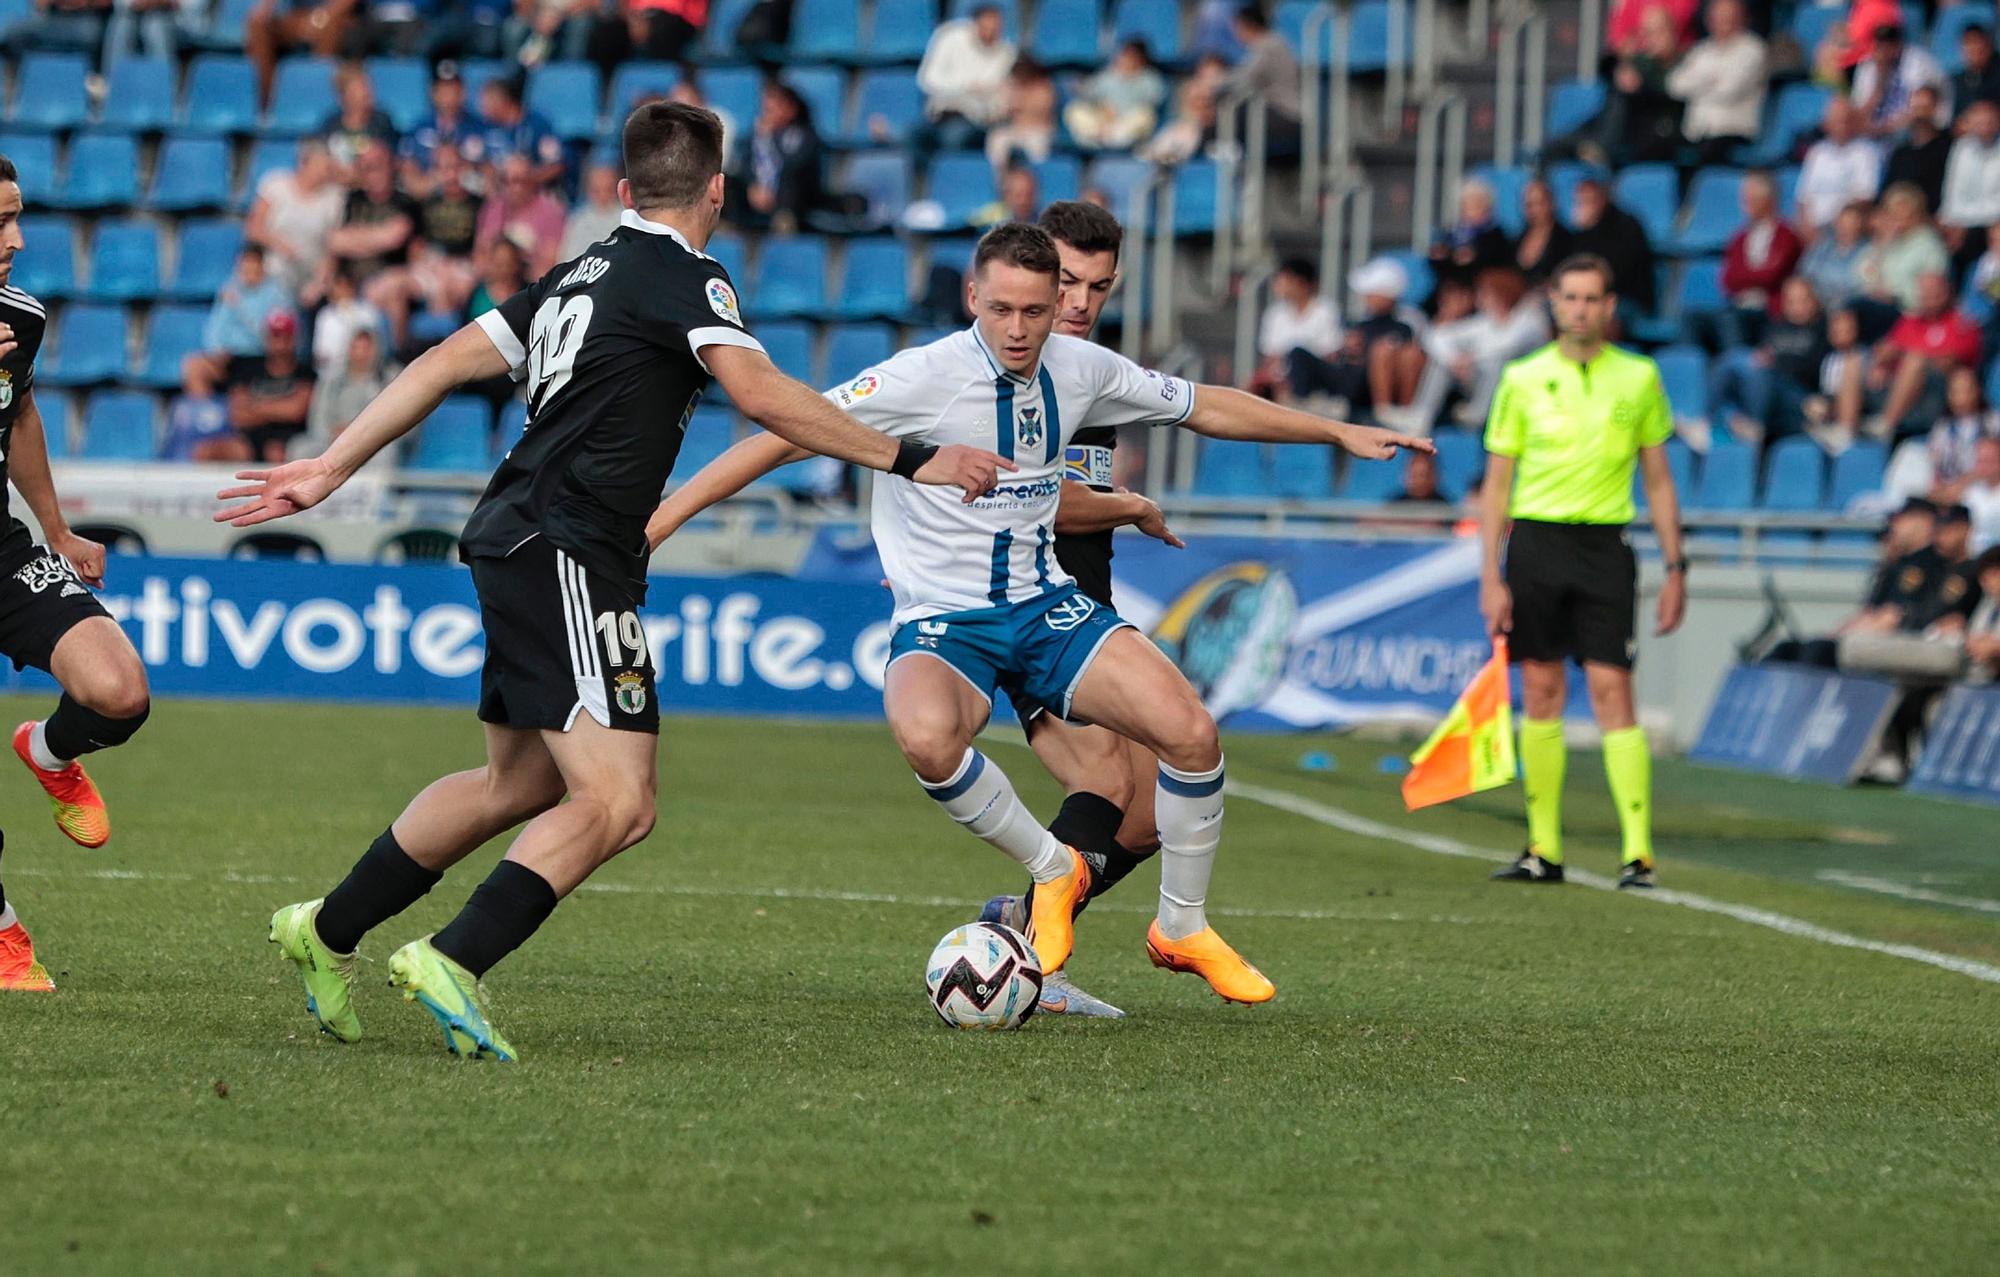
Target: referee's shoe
1530	868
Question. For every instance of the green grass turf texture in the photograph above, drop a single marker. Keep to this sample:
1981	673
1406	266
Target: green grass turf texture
1456	1077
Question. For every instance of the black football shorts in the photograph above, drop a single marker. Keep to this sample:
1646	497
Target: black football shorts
1576	593
561	640
41	599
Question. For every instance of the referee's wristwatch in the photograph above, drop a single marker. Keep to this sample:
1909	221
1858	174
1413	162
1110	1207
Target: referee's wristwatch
1679	565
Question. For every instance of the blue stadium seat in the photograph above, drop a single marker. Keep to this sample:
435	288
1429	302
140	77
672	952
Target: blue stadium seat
791	278
1231	468
1066	34
46	268
90	346
853	347
1010	14
302	97
1573	105
874	280
225	30
790	346
634	80
1563	181
1699	290
1795	475
1157	22
566	95
900	31
1951	23
103	172
1122	178
508	428
1195	196
962	182
49	92
172	334
1059	177
1857	472
718	42
402	90
1650	193
139	97
1684	373
826	31
458	436
56	424
1507	184
221	95
1714	212
34	156
710	432
1368	42
1680	461
729	249
735	91
1302	474
477	72
1811	22
883	178
124	261
1728	478
119	427
1417	267
1795	112
192	174
892	94
825	91
1370	481
1461	459
1290	24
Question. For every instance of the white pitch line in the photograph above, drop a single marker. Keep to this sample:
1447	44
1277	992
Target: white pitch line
1284	800
1889	888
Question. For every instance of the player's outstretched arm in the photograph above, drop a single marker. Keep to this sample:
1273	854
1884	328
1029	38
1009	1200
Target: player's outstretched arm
1082	510
796	412
736	469
467	355
1222	412
28	466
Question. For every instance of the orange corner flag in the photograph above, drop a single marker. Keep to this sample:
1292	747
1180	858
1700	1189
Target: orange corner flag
1473	748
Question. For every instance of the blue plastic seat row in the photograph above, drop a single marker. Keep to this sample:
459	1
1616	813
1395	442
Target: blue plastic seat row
125	259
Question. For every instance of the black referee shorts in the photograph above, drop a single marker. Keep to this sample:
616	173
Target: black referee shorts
1576	592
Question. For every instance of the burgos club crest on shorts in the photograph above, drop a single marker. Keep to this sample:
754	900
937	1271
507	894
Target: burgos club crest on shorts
1229	633
1031	427
6	388
629	690
722	300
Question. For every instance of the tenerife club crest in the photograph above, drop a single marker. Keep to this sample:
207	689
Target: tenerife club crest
1030	426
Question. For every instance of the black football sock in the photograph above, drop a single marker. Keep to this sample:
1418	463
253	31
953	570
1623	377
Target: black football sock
503	912
73	731
1119	863
1089	823
383	883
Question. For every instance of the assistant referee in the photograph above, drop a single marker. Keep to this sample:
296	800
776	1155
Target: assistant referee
1567	426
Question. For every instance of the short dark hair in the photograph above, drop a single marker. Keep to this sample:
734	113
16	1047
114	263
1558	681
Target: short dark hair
507	85
1085	227
8	173
672	152
1988	559
1302	268
1018	244
1578	263
1252	15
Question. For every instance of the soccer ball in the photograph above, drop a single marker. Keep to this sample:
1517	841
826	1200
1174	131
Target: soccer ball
983	976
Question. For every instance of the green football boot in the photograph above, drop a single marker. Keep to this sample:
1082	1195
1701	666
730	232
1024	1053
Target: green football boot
453	997
328	976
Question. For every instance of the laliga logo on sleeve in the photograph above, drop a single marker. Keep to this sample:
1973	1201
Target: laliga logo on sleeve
722	300
858	389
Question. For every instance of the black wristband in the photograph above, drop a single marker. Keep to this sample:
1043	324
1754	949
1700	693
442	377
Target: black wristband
1678	565
910	458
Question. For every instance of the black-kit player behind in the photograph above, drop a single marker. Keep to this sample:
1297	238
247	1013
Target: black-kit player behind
614	348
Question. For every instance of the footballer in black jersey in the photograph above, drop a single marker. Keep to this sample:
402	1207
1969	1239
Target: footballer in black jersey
613	350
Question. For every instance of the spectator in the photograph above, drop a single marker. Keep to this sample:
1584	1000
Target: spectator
503	274
511	129
1626	29
664	30
1760	257
344	314
1193	125
1972	185
379	221
1020	199
1912	362
1905	249
1907	576
1840	168
425	301
1980	494
276	27
1475	242
1760	393
235	325
1722	80
1603	228
1420	482
1299	318
1544	241
1379	361
597	216
1119	107
1978	77
1269	69
1028	131
1834	414
1938	465
539	29
1640	120
964	79
198	429
294	217
1920	157
776	176
688	92
1855	41
468	29
1982	628
1465	357
158	27
1886	81
68	26
346	390
355	122
522	212
269	394
448	124
1833	264
396	27
449	215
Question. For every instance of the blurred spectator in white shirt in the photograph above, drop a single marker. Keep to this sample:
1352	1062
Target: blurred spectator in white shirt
1841	167
1722	79
964	79
597	216
1299	317
1119	107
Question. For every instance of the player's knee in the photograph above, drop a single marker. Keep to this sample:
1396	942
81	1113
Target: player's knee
931	748
1191	742
630	818
115	690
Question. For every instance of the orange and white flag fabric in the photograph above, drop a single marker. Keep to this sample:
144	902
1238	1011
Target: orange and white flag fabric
1473	748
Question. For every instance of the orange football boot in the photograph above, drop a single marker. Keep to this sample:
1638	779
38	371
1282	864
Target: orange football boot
1209	956
79	807
1052	918
18	968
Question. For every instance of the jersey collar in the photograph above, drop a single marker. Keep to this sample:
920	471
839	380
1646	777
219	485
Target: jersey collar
993	365
630	217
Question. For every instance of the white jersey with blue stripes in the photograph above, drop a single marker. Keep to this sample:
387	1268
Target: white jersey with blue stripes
944	555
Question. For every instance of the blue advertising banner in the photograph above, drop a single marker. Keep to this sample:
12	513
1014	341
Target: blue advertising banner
1795	720
1961	757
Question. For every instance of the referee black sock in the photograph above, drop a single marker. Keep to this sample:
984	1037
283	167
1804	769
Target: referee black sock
503	912
383	883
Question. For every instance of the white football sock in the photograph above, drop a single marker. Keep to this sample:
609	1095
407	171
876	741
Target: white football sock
1188	806
38	749
980	797
7	918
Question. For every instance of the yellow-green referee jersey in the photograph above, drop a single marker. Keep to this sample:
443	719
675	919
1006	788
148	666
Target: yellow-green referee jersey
1575	430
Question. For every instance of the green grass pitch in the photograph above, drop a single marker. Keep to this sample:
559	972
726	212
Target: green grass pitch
729	1067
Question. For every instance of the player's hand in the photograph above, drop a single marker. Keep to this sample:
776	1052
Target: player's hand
1496	605
7	342
1673	603
273	494
1153	521
1373	443
972	470
85	555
